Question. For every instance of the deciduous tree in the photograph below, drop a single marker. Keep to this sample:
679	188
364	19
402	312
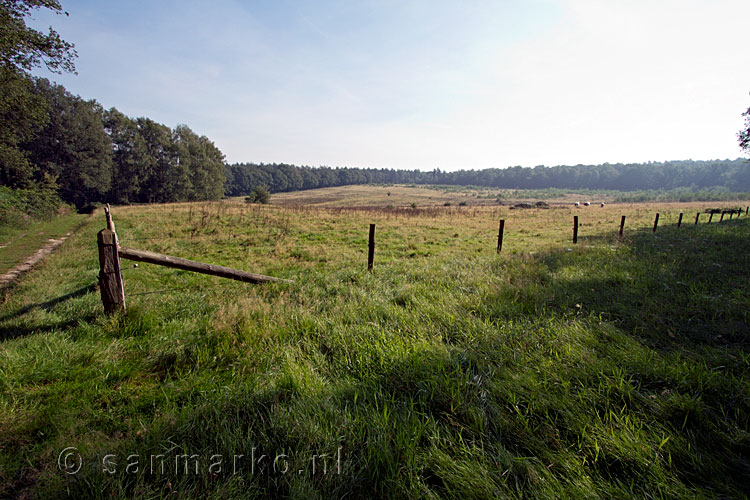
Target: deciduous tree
22	114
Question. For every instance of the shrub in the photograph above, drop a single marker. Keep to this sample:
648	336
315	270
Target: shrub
19	207
259	194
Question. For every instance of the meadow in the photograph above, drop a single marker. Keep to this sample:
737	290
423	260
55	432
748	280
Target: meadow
613	368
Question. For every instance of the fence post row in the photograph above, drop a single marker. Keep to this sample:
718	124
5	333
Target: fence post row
113	288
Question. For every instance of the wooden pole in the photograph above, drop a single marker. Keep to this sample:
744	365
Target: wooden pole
371	249
108	214
679	220
575	229
731	214
110	276
656	222
622	225
198	267
710	217
500	235
747	210
696	218
722	215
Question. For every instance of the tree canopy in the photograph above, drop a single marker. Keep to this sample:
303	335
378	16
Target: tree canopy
22	112
23	48
744	134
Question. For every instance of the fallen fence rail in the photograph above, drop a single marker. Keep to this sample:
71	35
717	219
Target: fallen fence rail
195	266
110	275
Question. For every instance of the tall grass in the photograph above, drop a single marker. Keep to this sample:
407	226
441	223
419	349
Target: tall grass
612	369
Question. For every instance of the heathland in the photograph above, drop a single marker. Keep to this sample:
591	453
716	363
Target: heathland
610	368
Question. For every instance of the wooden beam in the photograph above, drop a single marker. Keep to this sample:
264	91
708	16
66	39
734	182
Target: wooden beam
198	267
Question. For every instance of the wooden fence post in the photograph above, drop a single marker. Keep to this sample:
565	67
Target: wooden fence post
696	218
722	215
747	210
371	248
679	220
710	217
656	222
622	225
500	235
110	276
575	229
110	223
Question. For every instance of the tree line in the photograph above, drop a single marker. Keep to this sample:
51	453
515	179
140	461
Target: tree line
733	175
52	140
90	154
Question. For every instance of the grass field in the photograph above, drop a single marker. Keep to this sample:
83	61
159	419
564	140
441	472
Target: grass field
606	369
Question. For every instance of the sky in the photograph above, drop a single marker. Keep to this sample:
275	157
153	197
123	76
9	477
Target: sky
423	84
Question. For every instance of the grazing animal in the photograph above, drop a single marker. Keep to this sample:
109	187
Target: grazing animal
586	203
577	204
602	204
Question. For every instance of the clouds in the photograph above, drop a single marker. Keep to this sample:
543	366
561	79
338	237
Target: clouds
425	84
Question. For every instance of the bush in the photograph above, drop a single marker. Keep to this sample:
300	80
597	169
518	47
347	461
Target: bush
259	195
20	207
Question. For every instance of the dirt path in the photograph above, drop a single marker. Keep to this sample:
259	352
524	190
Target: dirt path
11	276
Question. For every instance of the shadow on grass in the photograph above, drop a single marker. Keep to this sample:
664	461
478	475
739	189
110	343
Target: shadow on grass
673	289
10	332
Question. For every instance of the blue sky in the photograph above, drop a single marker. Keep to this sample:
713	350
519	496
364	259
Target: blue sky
423	84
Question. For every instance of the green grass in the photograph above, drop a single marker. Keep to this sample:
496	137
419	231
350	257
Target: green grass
606	370
19	243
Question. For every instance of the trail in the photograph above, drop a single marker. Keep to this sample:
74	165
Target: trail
11	276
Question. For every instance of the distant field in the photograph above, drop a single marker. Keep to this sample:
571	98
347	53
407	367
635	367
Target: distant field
423	196
607	369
